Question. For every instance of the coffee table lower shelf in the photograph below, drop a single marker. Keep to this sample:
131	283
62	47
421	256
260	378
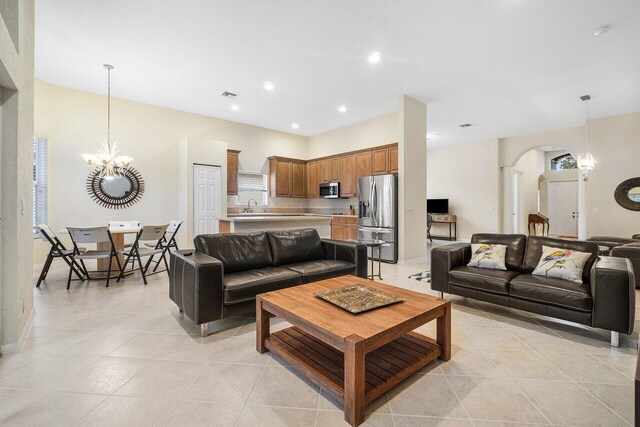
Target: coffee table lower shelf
385	367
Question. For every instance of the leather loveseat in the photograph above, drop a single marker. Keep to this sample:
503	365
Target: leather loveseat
222	277
624	248
605	298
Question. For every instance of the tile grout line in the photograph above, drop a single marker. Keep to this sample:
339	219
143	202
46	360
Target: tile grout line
551	364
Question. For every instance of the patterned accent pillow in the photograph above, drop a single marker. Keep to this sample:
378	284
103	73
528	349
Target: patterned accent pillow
486	255
564	264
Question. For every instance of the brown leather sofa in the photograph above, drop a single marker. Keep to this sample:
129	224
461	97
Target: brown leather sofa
623	248
222	277
605	298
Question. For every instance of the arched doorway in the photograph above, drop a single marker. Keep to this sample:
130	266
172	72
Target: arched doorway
544	180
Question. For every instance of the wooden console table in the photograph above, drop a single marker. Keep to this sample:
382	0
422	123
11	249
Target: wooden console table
534	220
451	220
354	357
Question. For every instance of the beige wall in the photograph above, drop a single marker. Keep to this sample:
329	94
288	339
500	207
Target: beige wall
412	178
469	176
616	149
74	122
615	144
368	133
16	169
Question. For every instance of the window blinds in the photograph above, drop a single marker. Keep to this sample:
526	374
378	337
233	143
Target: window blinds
39	182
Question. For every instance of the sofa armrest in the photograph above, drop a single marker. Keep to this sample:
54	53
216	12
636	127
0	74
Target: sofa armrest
613	293
353	252
443	260
196	285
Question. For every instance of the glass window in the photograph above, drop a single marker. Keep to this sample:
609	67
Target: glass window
562	162
39	182
252	185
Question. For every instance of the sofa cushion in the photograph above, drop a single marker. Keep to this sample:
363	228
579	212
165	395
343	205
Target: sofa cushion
486	255
515	244
245	285
547	290
312	271
534	252
495	281
238	252
566	264
288	247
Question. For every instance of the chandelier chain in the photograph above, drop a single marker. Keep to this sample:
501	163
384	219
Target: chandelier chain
109	105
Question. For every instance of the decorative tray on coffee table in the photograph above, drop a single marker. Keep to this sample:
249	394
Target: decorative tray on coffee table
358	298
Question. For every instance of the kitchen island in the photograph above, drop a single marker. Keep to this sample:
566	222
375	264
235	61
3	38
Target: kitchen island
275	222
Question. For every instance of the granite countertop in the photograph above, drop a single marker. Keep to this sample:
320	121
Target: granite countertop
266	215
258	217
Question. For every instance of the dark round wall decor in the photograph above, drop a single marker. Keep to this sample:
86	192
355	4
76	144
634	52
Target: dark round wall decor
628	194
119	192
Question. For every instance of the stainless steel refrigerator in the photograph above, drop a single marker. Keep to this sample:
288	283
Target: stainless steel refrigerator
378	213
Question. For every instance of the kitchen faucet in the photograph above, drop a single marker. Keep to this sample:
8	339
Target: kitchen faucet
249	210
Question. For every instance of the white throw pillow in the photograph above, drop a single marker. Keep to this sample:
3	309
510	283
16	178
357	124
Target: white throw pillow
564	264
486	255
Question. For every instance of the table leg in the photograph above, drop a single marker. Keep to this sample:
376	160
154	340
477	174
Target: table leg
380	262
118	243
354	380
444	333
262	326
372	261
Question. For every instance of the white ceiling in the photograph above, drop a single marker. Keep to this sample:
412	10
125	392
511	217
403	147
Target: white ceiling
509	67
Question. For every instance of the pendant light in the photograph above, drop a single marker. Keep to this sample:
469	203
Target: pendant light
585	160
107	163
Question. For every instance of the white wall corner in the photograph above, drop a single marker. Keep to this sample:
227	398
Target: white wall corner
18	346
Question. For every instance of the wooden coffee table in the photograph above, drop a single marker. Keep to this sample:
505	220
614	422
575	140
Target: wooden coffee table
354	357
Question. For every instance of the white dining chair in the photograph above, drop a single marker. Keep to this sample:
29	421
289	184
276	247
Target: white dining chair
92	235
148	233
58	250
168	241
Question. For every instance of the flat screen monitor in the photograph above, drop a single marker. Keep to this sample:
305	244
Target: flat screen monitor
438	206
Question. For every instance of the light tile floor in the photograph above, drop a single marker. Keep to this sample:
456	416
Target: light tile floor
123	356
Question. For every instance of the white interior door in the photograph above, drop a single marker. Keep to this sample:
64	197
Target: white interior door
562	198
206	199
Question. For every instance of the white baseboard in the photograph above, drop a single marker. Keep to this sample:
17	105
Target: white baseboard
16	347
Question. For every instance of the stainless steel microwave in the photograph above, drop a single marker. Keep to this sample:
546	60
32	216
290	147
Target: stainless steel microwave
330	190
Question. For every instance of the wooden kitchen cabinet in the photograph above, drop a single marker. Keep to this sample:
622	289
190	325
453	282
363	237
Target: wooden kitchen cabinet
232	172
393	159
363	164
286	177
344	228
336	167
348	179
380	161
313	179
325	170
297	178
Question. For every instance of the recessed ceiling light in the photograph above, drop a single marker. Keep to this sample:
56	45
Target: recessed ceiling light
601	30
466	125
374	57
235	107
342	108
268	85
294	125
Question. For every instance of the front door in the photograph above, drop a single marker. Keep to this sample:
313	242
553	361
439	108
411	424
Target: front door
206	199
563	208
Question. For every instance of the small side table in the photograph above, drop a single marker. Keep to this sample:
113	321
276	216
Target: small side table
374	244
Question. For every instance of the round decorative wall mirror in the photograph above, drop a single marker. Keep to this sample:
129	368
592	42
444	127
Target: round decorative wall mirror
117	192
628	194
